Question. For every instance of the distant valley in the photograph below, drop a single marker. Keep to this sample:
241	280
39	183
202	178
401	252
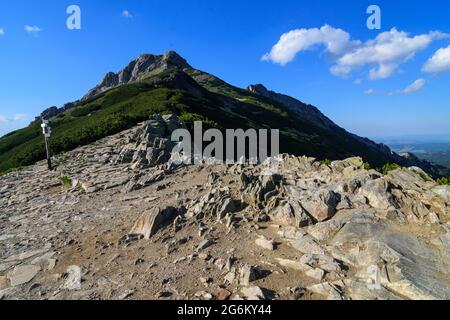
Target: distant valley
432	148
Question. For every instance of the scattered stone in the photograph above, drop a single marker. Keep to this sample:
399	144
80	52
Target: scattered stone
222	294
203	295
291	264
204	244
265	243
152	221
248	274
72	278
23	274
253	293
316	274
4	283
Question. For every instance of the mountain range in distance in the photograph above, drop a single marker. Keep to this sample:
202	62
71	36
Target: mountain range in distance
168	84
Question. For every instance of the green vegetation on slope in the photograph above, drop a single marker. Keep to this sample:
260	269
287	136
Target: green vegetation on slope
207	98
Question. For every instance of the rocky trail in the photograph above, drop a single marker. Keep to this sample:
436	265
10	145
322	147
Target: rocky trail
118	219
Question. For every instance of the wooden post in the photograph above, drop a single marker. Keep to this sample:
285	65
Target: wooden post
46	130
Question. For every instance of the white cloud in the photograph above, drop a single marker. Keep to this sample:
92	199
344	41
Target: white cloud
336	41
439	62
2	32
369	91
415	86
127	14
32	29
383	55
17	117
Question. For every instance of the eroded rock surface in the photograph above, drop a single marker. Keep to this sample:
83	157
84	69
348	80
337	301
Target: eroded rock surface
130	224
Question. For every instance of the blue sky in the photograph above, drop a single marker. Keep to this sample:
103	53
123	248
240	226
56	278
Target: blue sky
42	63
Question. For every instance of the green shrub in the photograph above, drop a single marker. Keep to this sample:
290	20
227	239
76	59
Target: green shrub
389	167
444	181
326	162
65	181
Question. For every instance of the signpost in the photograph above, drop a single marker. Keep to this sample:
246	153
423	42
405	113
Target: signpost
46	130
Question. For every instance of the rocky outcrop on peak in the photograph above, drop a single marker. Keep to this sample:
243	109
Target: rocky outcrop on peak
142	67
307	111
110	222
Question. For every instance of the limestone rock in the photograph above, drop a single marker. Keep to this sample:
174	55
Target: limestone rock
152	221
23	274
265	243
73	278
322	204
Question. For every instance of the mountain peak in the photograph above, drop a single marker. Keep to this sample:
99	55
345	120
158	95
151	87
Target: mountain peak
258	88
145	65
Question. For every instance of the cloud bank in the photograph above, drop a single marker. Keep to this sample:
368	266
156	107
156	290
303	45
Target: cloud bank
382	55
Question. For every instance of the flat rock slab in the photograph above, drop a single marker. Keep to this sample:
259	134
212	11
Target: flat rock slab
25	255
23	274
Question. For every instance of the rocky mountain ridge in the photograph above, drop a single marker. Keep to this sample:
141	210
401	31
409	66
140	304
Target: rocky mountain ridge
309	131
144	66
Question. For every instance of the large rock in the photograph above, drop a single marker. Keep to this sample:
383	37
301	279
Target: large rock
378	192
150	143
152	221
288	212
322	204
402	263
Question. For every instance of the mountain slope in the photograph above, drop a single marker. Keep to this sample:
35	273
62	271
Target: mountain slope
166	84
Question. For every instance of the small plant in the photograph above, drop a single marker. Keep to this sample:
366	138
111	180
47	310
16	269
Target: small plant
326	162
389	167
65	181
367	166
444	181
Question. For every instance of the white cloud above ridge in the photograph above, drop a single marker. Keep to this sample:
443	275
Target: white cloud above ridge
127	14
416	86
382	55
439	62
17	117
32	29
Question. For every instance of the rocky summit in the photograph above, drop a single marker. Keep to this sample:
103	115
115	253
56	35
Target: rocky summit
119	219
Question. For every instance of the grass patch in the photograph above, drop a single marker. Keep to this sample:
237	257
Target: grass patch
389	167
66	181
443	181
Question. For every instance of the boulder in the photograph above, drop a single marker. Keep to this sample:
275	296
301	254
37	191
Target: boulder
322	204
378	192
151	221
